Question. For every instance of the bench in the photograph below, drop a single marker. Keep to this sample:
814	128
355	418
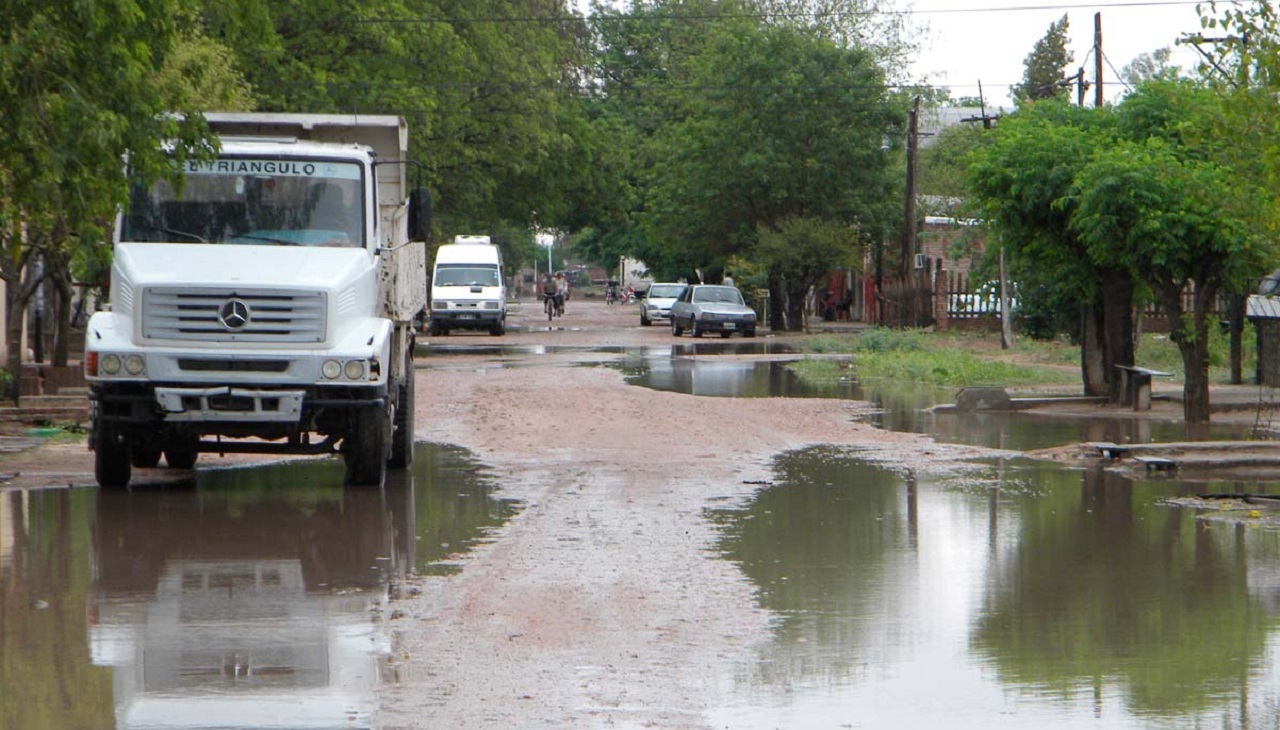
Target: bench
1109	450
1157	464
1135	386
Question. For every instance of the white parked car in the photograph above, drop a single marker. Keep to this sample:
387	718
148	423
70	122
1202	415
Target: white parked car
712	308
657	302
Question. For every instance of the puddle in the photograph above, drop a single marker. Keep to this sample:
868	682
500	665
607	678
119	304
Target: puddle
900	407
253	598
1020	595
760	346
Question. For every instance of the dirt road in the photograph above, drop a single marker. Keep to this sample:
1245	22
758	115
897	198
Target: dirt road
600	604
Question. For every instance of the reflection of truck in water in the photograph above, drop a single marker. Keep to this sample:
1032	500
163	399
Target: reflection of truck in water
267	303
467	287
216	612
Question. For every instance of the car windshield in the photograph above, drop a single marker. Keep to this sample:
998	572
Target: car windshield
466	275
660	291
252	201
723	294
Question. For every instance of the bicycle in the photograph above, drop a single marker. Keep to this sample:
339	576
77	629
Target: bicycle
553	305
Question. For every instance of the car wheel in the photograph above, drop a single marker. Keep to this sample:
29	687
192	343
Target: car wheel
644	321
694	329
676	330
749	333
725	335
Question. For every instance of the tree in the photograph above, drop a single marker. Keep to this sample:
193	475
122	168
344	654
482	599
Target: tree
1023	182
783	126
1044	73
78	93
800	251
490	89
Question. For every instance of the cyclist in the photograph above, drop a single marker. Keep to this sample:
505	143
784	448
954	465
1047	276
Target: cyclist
562	291
551	296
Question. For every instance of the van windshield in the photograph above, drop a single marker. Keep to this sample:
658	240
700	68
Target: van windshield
466	275
241	200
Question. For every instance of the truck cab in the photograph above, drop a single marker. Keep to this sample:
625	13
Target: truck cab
265	305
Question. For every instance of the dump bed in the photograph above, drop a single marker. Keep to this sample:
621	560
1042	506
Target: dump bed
387	135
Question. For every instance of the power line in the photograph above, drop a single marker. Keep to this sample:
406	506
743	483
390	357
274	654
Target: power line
700	17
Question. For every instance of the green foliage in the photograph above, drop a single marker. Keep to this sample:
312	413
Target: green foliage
1045	67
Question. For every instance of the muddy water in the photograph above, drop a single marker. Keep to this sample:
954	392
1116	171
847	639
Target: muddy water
254	598
1019	595
899	407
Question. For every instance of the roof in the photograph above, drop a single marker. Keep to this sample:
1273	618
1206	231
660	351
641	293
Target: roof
1260	307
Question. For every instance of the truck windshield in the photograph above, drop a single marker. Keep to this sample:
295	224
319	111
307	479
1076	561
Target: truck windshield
253	201
466	275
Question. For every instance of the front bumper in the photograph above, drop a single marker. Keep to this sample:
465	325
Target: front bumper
463	318
721	325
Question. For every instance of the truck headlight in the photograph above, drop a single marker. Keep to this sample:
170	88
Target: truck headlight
109	364
331	369
134	364
354	370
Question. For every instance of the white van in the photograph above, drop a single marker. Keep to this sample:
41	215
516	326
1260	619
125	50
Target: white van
468	290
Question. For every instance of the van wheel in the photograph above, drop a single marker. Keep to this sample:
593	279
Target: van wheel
434	329
364	448
498	329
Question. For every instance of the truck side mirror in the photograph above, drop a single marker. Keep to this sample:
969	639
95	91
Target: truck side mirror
419	214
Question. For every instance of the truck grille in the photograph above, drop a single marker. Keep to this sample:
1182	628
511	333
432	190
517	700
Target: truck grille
233	315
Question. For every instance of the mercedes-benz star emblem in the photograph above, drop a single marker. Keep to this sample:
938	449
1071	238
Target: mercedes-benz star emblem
234	314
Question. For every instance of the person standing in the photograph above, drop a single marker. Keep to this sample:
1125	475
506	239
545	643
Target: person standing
728	278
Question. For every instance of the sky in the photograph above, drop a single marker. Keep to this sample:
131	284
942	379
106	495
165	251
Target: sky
987	41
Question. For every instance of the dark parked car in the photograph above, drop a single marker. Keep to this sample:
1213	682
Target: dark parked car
708	308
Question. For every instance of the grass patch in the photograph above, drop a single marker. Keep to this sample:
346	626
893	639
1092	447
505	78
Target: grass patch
950	359
959	359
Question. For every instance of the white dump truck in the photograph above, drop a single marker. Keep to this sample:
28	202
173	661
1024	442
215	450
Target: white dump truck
266	305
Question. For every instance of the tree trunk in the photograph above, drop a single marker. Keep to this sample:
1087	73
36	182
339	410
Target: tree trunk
1237	304
1116	295
1191	335
776	322
58	276
1091	368
795	310
1195	364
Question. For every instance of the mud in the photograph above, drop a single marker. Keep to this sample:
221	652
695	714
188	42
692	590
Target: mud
599	605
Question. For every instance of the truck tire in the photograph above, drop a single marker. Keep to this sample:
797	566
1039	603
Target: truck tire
365	447
112	467
402	435
144	456
183	454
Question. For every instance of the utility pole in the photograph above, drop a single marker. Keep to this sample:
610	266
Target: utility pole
909	214
1097	59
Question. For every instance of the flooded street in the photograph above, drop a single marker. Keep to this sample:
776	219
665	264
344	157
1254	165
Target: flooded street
606	527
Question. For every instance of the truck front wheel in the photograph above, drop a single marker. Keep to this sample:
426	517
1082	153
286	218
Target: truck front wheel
365	447
111	462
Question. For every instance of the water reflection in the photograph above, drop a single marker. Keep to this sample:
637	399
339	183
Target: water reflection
900	407
1018	595
252	598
